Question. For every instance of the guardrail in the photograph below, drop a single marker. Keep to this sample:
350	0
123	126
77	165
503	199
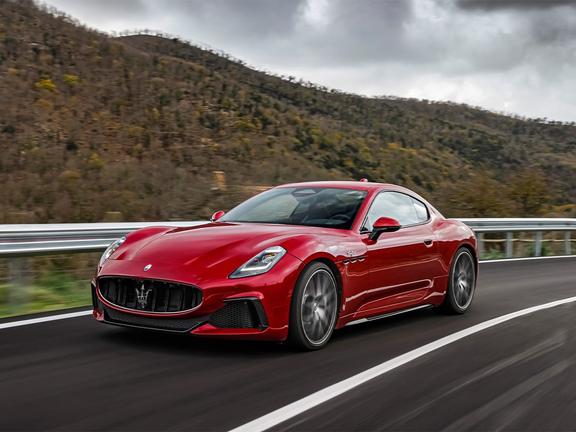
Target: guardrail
535	227
26	239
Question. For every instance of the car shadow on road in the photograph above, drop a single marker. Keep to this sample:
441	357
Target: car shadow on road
190	345
164	342
390	324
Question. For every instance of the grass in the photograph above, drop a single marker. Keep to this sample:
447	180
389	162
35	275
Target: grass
43	297
492	255
41	284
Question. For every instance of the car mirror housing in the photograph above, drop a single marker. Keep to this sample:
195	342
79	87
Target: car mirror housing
217	215
382	225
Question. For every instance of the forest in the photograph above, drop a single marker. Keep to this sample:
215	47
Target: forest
145	126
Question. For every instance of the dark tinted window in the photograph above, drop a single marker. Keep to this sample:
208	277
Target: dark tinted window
403	208
323	207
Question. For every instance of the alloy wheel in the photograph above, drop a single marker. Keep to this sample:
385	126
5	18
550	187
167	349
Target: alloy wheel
319	305
463	280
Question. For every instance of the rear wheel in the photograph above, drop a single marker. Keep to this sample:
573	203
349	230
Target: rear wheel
314	308
461	283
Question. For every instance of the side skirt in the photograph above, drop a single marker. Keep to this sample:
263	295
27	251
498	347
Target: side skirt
387	315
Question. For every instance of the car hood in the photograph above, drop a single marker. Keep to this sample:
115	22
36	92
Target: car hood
223	245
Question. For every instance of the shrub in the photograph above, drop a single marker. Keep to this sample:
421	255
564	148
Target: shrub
46	84
71	80
96	161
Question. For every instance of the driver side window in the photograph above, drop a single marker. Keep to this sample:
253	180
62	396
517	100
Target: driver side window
403	208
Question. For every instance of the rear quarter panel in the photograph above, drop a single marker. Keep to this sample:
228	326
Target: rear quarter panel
451	235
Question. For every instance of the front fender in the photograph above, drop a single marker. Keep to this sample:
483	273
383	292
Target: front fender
308	248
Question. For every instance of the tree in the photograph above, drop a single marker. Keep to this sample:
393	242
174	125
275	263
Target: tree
529	190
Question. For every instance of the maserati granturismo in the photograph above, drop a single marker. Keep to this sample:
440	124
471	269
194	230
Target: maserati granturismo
294	263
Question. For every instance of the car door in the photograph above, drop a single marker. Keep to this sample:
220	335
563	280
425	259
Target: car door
402	264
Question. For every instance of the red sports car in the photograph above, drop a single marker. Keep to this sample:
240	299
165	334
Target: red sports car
293	263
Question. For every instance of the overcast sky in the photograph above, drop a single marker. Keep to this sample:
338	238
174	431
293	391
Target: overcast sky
517	56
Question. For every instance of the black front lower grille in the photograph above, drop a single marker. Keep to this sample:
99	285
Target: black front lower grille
239	314
165	323
149	295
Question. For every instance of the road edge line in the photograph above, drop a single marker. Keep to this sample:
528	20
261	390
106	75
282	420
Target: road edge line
525	259
11	324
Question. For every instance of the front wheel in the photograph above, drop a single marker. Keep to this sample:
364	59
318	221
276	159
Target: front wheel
461	283
314	308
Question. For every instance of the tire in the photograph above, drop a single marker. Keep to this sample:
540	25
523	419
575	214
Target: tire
461	283
314	308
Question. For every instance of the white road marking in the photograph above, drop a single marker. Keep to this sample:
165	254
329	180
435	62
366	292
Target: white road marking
300	406
525	259
11	324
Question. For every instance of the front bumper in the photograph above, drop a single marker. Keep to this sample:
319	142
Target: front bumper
256	307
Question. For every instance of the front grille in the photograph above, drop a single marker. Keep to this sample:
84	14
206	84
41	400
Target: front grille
165	323
149	295
238	314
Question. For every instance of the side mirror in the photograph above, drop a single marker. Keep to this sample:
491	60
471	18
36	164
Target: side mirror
382	225
217	215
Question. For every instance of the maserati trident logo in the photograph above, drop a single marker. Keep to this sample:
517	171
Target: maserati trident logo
147	267
142	296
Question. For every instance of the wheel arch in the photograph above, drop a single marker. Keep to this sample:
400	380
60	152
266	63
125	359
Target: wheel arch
336	272
474	253
332	265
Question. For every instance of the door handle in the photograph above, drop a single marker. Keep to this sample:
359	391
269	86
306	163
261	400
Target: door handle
428	242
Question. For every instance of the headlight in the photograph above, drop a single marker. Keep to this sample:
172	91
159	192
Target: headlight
110	250
260	263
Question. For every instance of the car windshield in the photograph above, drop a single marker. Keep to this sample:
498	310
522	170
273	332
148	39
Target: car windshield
322	207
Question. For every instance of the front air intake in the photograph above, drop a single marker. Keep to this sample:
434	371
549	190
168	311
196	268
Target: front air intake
114	316
240	314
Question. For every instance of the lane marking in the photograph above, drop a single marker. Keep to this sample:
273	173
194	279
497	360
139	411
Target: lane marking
300	406
525	259
25	322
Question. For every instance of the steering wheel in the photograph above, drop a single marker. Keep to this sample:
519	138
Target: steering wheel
341	216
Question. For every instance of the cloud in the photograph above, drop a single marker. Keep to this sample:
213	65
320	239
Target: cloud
224	21
511	55
102	11
491	5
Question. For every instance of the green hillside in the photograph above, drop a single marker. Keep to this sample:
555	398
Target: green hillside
146	128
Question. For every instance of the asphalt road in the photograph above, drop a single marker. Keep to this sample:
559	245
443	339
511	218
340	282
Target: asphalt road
77	374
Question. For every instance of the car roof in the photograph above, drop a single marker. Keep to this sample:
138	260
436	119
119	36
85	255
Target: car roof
357	185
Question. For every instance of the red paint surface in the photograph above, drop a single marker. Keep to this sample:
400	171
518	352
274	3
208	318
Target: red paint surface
402	269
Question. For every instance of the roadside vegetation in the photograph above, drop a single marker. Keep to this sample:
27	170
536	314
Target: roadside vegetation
45	283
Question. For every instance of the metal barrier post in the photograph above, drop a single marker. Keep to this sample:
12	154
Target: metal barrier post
509	244
18	283
538	243
567	243
480	245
